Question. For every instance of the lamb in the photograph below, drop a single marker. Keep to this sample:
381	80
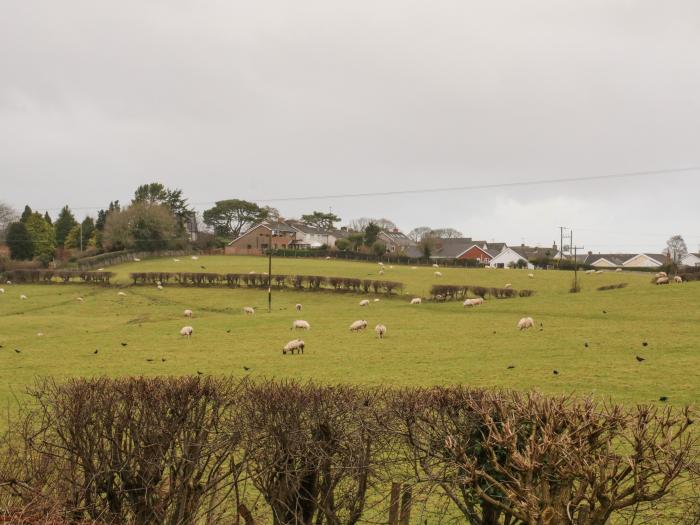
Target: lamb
186	331
438	274
160	286
23	297
79	299
381	272
358	325
662	274
176	260
416	300
298	307
295	345
525	323
376	300
248	310
2	290
380	263
618	270
531	275
301	325
328	258
391	267
662	280
435	265
187	313
678	279
508	285
380	329
136	259
121	294
195	258
364	302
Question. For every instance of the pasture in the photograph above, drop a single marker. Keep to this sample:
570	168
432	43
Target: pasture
431	343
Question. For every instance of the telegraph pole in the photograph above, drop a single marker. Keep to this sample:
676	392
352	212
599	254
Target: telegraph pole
561	243
576	249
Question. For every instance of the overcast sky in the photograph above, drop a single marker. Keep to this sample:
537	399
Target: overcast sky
273	99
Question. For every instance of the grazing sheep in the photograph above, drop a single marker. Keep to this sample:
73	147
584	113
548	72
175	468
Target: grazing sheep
376	300
298	307
416	300
525	323
8	282
364	302
301	325
358	325
121	294
531	275
100	269
251	272
187	313
195	258
508	285
590	272
381	272
678	279
435	265
380	263
391	267
176	260
79	299
380	329
477	301
328	258
40	334
248	310
295	345
414	267
186	331
2	290
23	297
160	286
439	298
438	274
618	270
662	280
662	274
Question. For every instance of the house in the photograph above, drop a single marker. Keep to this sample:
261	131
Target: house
692	260
311	236
256	240
465	248
510	257
396	242
607	260
646	260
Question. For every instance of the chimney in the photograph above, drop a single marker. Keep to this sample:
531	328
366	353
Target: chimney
590	252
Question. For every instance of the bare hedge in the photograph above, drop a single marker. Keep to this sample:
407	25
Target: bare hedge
45	276
258	280
193	450
454	291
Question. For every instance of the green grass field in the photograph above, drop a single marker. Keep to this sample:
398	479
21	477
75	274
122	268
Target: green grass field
426	344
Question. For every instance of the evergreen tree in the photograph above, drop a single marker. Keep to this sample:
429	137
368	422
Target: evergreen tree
64	224
19	241
26	214
47	218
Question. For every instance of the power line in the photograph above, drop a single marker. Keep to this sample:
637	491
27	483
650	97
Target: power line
474	187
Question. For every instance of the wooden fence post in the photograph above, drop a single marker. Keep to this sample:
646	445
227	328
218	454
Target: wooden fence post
405	506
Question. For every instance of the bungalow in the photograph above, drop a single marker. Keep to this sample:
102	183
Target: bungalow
466	249
510	257
646	260
256	240
691	260
396	242
606	260
310	235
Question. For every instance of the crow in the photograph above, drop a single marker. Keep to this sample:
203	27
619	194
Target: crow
203	267
1	346
511	367
639	359
162	359
124	344
18	350
246	368
644	343
149	360
663	398
228	331
494	332
199	373
585	344
96	350
555	372
605	311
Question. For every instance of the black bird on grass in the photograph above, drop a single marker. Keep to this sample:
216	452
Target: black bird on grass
663	398
511	367
124	344
149	360
203	267
585	344
17	350
199	373
639	359
162	359
96	350
555	372
246	368
605	311
1	346
644	343
228	331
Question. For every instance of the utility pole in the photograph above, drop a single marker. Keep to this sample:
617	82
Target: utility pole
81	237
576	249
561	243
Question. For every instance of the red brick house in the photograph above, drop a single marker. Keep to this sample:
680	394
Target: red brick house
476	253
256	240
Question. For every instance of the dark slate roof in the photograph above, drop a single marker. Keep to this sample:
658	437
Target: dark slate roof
452	248
304	228
398	238
277	225
413	252
535	252
615	258
659	257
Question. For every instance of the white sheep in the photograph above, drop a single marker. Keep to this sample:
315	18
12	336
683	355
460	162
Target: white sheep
248	310
525	323
160	286
251	272
414	267
159	283
301	325
358	325
416	300
381	272
40	334
618	270
473	302
8	282
662	274
79	299
176	260
136	259
186	331
294	345
23	297
380	263
380	329
121	294
364	302
531	275
298	307
391	267
678	279
187	313
590	272
662	280
508	285
376	300
328	257
435	265
599	272
2	290
438	274
195	258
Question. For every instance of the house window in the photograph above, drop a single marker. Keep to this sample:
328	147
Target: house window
249	246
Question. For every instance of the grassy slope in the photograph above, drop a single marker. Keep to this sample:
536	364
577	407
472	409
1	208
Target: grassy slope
426	344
